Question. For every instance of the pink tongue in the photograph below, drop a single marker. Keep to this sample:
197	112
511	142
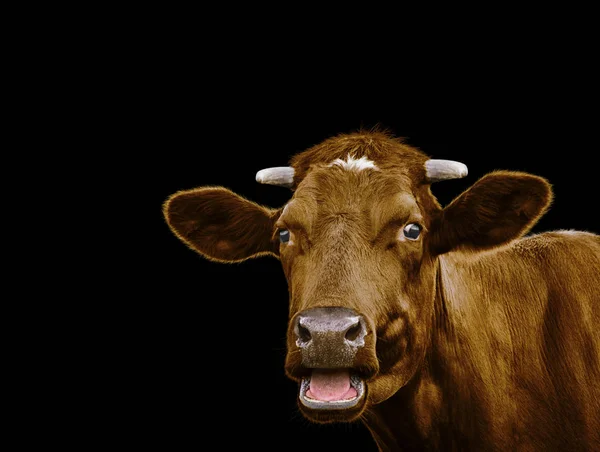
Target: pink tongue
328	385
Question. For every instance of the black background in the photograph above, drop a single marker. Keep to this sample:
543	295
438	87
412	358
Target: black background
166	350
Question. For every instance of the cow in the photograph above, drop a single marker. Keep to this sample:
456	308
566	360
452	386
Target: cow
439	328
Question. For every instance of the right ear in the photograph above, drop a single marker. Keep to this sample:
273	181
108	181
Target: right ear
221	225
498	208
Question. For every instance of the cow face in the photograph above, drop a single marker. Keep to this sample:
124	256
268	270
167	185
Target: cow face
358	242
361	282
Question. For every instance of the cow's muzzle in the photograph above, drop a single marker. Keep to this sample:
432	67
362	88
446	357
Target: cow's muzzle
335	348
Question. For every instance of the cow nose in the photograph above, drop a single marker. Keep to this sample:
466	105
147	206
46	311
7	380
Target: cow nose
329	337
336	324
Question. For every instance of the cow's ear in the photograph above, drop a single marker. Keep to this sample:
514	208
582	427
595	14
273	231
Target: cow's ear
498	208
221	225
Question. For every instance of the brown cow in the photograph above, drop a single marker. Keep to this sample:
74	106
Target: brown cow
439	328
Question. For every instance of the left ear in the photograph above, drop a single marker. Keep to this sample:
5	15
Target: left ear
221	225
500	207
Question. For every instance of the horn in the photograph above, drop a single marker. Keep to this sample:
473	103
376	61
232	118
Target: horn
279	175
438	170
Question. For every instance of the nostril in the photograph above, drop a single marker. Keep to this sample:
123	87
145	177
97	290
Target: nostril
303	333
353	332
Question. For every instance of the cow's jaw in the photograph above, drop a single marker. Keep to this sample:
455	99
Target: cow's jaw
331	389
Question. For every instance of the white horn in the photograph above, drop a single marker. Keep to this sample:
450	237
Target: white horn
438	170
279	175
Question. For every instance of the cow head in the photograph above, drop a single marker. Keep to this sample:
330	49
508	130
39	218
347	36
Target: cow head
358	242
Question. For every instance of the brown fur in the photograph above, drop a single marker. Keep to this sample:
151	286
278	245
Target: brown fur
478	338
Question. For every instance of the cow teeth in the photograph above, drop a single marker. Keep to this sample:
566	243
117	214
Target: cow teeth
304	385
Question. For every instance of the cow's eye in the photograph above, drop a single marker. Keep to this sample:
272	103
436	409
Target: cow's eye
412	231
284	235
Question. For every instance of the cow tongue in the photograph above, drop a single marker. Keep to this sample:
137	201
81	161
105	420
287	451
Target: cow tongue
328	385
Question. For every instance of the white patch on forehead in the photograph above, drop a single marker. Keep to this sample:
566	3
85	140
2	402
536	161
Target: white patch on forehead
352	164
568	232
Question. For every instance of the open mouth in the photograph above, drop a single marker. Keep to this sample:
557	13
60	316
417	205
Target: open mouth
331	389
